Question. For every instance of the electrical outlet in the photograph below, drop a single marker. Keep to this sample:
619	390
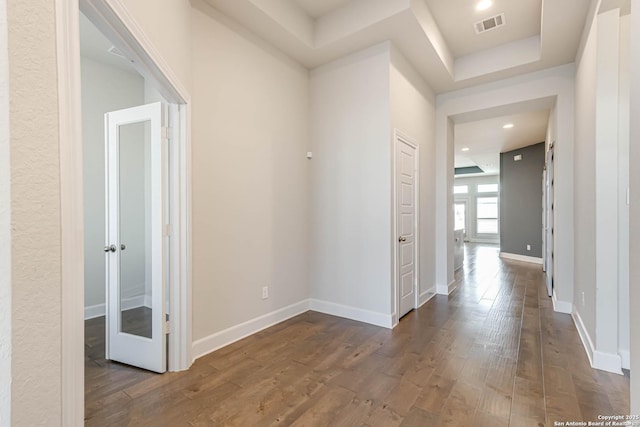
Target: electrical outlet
265	292
528	247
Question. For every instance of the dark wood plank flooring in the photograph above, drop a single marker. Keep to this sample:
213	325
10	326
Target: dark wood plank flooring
493	353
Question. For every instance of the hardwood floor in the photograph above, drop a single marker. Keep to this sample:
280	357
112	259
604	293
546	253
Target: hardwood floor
493	353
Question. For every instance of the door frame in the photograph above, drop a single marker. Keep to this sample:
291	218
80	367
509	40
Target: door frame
112	18
464	202
400	137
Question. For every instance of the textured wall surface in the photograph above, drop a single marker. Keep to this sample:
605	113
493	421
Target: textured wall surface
5	227
35	212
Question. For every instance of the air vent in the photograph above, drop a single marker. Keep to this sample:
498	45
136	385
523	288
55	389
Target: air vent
490	23
115	51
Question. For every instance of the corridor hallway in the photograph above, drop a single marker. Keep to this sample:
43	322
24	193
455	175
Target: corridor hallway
493	353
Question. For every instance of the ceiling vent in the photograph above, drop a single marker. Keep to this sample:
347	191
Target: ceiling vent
115	51
490	23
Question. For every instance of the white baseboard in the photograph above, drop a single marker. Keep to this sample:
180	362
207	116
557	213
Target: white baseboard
607	362
598	359
446	290
584	335
524	258
426	296
625	355
93	311
561	306
353	313
480	240
235	333
98	310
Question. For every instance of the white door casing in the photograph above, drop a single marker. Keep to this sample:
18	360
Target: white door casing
549	221
406	161
134	234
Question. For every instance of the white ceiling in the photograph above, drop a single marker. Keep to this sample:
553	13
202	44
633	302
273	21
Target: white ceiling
317	8
456	19
487	138
436	36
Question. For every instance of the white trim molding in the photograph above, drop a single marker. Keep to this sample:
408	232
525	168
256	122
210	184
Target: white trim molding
524	258
228	336
426	296
446	290
5	226
597	359
235	333
607	362
625	357
584	335
352	313
561	306
71	211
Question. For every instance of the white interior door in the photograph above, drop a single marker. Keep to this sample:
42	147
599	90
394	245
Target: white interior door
406	197
134	238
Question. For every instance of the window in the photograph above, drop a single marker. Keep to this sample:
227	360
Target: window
487	215
460	189
487	188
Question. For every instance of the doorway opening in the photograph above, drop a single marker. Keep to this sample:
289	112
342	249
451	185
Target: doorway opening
153	82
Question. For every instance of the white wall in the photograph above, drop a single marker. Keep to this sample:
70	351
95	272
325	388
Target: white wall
470	233
350	182
250	176
104	88
5	228
585	180
634	213
555	82
169	30
623	185
602	168
35	215
413	113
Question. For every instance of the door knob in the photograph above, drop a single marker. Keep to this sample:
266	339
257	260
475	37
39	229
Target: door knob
123	247
402	239
111	248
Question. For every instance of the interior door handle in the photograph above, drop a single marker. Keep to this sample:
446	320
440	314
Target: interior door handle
123	246
111	248
402	239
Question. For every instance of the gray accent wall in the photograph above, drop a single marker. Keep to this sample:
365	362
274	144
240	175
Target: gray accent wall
521	200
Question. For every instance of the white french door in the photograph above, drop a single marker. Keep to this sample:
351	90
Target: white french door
406	199
135	242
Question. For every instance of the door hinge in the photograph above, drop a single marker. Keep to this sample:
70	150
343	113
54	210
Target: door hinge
167	230
167	327
166	132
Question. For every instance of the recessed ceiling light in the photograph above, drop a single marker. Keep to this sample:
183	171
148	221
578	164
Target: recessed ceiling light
484	4
507	126
465	149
